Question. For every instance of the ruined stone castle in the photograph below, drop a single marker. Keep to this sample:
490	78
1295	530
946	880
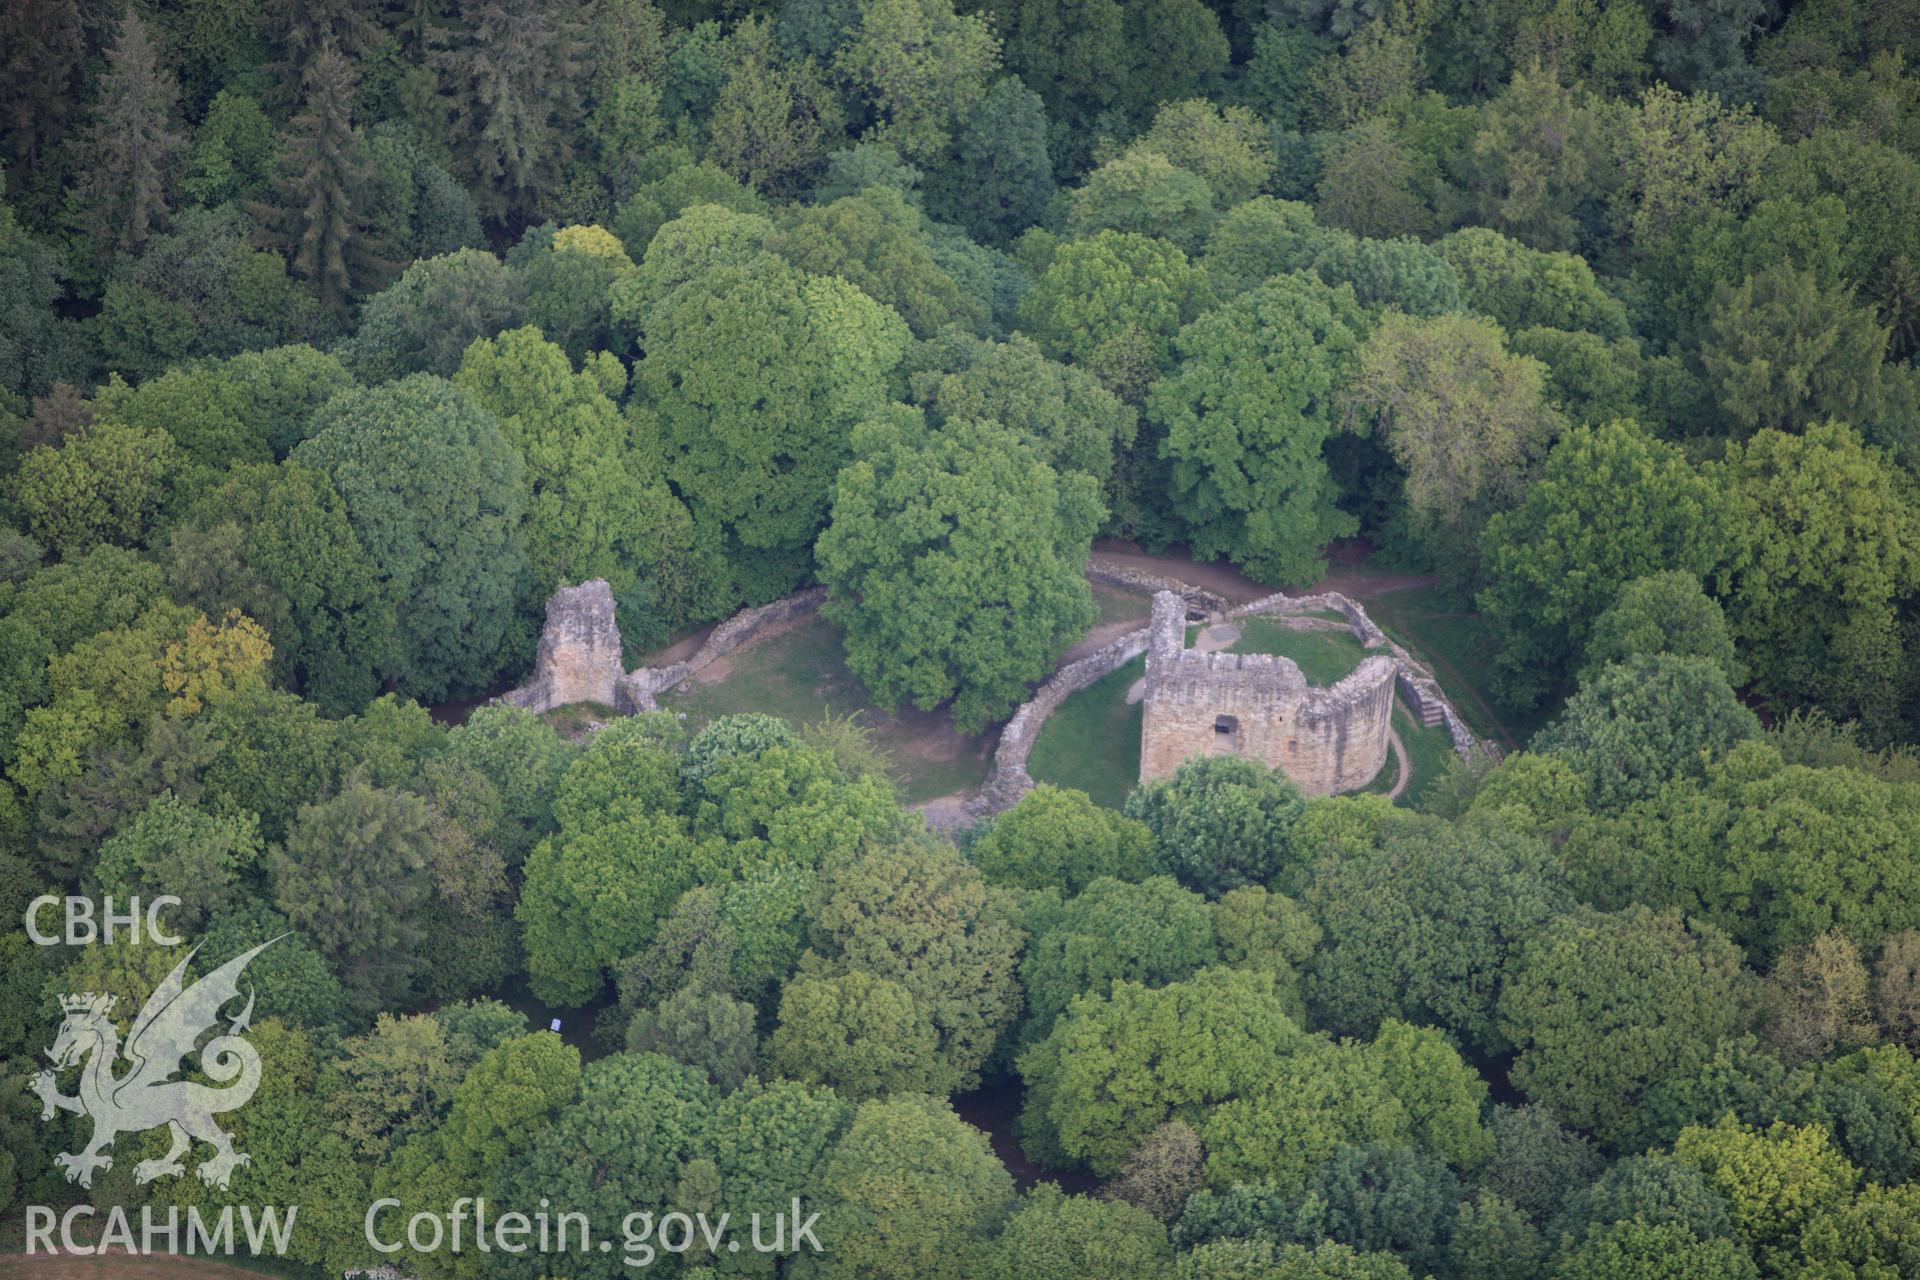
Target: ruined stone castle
1260	706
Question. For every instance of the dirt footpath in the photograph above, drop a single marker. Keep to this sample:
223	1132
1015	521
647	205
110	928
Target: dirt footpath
1343	572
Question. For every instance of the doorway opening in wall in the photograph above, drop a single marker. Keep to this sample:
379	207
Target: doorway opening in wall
1226	733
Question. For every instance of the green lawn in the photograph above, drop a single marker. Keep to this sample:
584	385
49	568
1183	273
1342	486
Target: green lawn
1116	605
1092	740
800	674
1433	627
1428	751
1324	657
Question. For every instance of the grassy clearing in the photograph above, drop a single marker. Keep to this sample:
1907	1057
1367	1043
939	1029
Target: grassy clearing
1455	643
1324	657
800	674
1116	605
1428	751
1092	741
572	720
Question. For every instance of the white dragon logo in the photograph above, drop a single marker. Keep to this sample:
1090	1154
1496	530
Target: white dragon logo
170	1023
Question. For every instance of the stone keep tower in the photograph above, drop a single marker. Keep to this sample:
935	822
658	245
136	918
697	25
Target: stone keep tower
579	658
1259	706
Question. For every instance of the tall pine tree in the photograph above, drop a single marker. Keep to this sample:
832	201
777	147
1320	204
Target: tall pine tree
322	187
132	146
42	49
512	74
302	29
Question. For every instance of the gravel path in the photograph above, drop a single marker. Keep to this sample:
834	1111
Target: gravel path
1400	754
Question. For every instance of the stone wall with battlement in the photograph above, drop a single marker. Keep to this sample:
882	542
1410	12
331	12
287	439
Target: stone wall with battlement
579	661
1260	706
1417	683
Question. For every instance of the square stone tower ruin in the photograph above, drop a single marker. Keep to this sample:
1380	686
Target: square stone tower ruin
1260	706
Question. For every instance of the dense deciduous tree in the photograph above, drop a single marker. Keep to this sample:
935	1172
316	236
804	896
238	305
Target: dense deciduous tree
1423	926
860	1035
1663	612
910	1190
424	321
918	520
1465	418
174	848
1245	417
1258	239
1093	56
598	506
1636	1249
1524	288
1064	413
1777	1181
1120	1064
1681	157
435	494
619	1148
493	1116
350	873
878	241
170	662
595	892
1812	605
1052	1236
999	177
104	483
332	623
1222	822
1539	153
1603	1005
1612	505
254	407
1778	854
1144	193
754	378
921	67
923	918
1059	838
1112	303
1152	933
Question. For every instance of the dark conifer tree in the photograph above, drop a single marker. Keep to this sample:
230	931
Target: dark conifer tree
323	188
512	74
42	49
130	152
301	29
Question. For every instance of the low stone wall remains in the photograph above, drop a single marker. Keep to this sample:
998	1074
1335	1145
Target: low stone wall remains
643	687
1145	582
1007	778
581	632
581	639
1416	681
